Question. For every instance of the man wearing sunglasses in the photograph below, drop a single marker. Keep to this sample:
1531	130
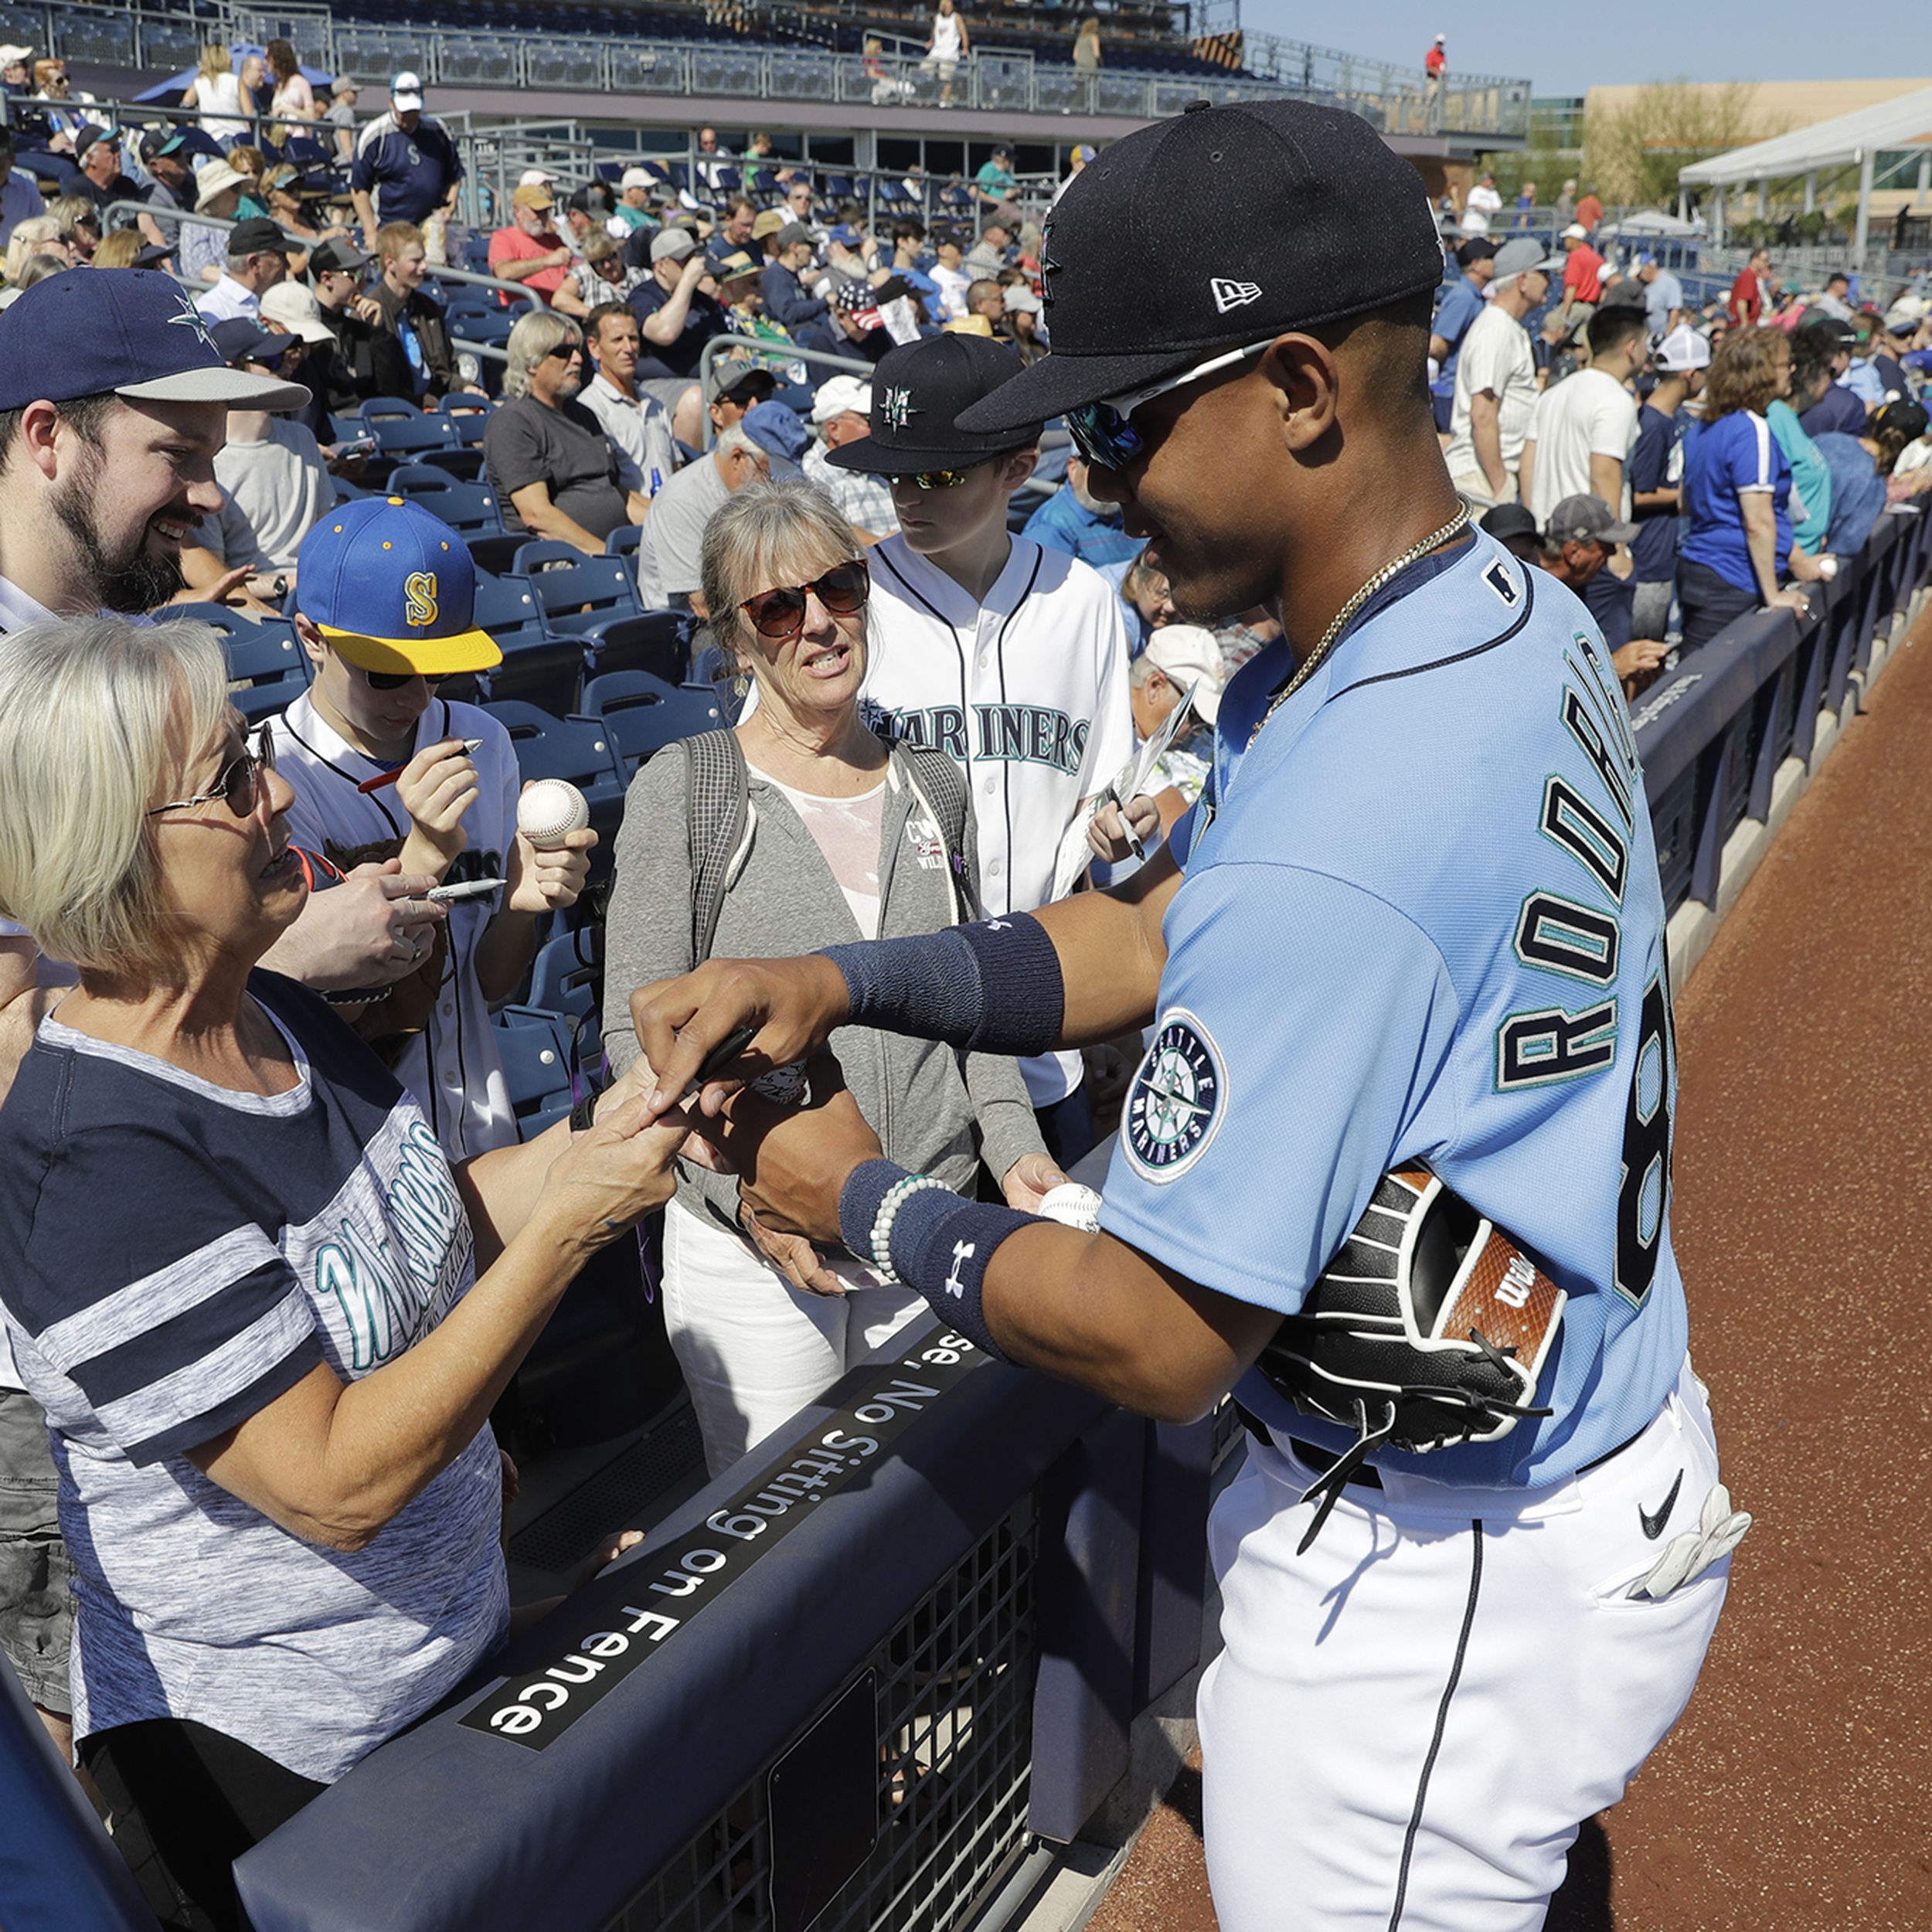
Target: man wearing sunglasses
1012	658
1415	917
387	593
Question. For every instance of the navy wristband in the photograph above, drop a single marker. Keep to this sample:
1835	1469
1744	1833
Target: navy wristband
993	987
940	1243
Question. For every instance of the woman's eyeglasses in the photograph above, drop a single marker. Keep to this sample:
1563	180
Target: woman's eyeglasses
1101	431
780	614
238	783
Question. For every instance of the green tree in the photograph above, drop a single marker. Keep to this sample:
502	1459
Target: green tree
1632	152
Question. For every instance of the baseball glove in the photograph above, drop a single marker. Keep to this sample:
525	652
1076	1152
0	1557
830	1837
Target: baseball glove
1429	1328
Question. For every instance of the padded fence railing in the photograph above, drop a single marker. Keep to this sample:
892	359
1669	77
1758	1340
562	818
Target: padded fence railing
1715	733
839	1688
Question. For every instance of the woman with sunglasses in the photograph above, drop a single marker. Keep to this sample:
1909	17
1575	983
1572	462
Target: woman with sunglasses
843	835
266	1317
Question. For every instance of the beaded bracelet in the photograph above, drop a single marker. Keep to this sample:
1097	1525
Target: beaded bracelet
881	1227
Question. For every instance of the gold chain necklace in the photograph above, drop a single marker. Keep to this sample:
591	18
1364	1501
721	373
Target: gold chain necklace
1455	527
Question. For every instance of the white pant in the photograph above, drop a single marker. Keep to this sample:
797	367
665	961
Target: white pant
754	1350
1344	1773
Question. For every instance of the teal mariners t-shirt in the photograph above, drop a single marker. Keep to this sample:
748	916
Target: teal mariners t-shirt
186	1255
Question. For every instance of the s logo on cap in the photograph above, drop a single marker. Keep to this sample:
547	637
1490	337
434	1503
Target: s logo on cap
420	588
1232	295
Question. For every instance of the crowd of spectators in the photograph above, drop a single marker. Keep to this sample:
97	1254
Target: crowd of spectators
1738	447
854	559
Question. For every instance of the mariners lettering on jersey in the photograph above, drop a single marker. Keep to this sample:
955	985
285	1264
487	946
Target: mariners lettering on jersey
1177	1100
1025	734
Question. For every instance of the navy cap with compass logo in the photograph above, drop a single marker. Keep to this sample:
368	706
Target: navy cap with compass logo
1178	1098
122	331
1222	227
918	392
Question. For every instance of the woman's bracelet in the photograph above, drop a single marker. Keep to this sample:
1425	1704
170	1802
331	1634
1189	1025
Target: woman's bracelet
896	1196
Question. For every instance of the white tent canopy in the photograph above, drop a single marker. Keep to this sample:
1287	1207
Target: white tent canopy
1847	141
1841	142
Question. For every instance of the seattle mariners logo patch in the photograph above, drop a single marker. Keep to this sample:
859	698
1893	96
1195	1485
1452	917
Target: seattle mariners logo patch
1178	1096
420	588
1231	295
189	317
897	409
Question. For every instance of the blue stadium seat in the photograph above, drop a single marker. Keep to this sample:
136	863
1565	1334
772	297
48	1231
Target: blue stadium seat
567	977
535	1049
575	590
267	664
376	408
428	437
625	540
578	749
659	641
469	509
642	714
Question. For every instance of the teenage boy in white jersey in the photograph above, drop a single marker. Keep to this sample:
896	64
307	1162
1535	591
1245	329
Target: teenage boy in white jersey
113	404
387	592
1010	658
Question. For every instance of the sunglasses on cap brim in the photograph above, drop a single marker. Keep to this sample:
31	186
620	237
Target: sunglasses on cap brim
780	614
1103	434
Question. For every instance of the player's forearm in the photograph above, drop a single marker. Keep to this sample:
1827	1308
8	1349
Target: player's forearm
1112	951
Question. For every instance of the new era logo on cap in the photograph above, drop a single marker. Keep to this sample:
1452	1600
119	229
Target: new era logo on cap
1231	295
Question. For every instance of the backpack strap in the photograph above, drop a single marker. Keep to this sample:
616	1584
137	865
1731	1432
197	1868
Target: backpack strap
943	786
718	815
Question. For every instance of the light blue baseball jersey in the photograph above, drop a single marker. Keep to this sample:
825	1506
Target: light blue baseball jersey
1421	921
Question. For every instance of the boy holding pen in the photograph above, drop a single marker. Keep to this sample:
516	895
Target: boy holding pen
382	765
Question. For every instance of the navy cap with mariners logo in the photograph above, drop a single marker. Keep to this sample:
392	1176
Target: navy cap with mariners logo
1216	229
919	391
122	331
392	588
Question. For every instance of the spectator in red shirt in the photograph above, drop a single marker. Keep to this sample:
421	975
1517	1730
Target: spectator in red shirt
1582	267
530	250
1590	212
1747	302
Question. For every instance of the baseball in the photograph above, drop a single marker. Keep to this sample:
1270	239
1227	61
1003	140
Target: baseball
550	811
1078	1207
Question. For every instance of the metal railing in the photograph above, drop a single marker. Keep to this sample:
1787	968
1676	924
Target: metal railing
1393	97
768	354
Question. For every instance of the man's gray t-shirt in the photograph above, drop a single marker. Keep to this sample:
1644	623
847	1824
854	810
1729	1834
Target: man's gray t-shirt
564	447
274	492
679	513
182	1256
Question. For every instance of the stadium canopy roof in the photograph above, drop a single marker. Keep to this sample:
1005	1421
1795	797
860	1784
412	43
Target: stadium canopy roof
1846	141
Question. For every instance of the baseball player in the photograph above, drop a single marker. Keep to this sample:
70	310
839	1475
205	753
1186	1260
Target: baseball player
1411	937
386	592
1011	658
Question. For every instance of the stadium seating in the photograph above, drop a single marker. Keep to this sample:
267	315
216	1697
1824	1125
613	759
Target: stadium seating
659	641
267	668
469	509
426	436
640	714
575	749
536	1051
576	591
567	978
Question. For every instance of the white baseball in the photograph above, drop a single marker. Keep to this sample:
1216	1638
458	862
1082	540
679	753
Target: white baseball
1078	1207
550	811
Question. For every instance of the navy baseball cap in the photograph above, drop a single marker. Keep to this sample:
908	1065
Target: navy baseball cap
779	431
922	393
1231	225
122	331
241	341
392	588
